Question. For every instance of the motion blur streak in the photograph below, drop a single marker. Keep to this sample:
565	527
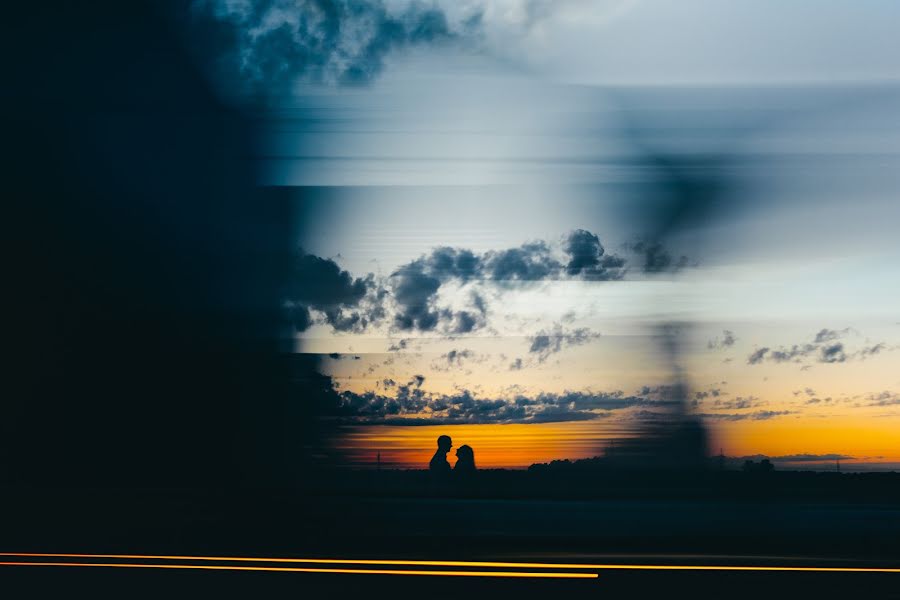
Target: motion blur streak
447	563
312	570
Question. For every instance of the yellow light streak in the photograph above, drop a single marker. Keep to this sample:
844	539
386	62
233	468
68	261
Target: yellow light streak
460	563
550	575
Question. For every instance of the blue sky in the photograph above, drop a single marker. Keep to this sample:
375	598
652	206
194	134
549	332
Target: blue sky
511	129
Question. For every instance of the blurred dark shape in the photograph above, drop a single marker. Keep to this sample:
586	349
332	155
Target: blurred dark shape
669	437
680	190
676	443
465	461
144	270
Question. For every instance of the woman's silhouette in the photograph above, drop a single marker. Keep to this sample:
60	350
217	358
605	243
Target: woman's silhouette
465	460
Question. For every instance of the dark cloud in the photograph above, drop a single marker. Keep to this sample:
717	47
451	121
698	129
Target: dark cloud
269	44
516	365
808	391
532	261
412	406
587	258
815	400
412	291
299	316
541	343
416	285
832	353
792	354
465	321
701	396
829	335
727	340
453	263
347	303
885	398
824	349
548	342
656	258
868	351
760	415
456	357
738	403
757	356
415	292
479	303
665	394
400	345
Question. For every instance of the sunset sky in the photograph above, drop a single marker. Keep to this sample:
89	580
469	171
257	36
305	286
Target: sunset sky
479	246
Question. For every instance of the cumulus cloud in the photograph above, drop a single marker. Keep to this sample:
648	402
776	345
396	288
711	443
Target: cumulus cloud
738	403
869	351
414	291
815	400
443	291
884	398
547	342
726	341
412	406
825	348
760	415
345	302
269	44
399	345
701	396
531	261
416	285
757	356
456	359
588	258
457	356
832	353
829	335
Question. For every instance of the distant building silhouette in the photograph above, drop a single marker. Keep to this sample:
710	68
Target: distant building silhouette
763	466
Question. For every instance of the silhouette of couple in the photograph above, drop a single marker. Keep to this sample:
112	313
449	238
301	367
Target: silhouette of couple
465	459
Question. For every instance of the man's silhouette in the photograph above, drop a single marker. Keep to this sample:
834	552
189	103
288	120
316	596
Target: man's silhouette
439	465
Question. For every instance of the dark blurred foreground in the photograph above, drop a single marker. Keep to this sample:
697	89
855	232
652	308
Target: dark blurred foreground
146	404
728	518
30	582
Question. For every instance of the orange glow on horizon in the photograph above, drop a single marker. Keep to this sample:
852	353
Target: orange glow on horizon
867	439
496	446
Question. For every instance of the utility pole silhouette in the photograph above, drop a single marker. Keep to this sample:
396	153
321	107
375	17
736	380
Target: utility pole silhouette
378	462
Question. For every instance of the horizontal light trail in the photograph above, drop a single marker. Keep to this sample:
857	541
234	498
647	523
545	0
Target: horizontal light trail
531	574
459	563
